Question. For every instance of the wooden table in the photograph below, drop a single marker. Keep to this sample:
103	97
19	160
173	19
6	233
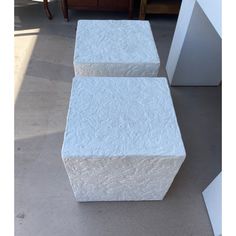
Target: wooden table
101	5
158	7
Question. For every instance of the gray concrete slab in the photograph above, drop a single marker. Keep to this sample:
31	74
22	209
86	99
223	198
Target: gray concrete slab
44	202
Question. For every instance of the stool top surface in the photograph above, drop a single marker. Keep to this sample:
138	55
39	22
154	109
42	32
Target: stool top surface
115	41
121	116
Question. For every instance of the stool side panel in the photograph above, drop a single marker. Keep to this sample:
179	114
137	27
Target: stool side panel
117	69
121	179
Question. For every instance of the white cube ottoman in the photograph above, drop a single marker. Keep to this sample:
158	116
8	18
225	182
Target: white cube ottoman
115	48
122	140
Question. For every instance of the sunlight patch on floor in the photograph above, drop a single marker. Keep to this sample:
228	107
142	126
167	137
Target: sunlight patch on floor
24	44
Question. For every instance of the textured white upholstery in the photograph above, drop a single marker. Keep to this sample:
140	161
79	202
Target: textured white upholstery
115	48
122	140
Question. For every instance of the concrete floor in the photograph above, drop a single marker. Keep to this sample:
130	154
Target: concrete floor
44	202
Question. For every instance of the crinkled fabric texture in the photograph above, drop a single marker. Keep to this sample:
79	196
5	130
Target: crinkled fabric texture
121	178
115	48
121	117
122	140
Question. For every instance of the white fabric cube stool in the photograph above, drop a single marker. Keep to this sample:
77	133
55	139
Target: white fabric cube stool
122	140
115	48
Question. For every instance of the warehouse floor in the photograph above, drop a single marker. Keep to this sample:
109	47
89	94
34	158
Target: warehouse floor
44	202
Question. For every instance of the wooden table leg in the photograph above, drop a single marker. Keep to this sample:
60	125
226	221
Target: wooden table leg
142	12
130	9
46	9
64	8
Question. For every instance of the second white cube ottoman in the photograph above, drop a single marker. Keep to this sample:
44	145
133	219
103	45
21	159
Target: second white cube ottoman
122	140
115	48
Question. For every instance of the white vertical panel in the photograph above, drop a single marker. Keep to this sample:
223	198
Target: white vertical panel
213	198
